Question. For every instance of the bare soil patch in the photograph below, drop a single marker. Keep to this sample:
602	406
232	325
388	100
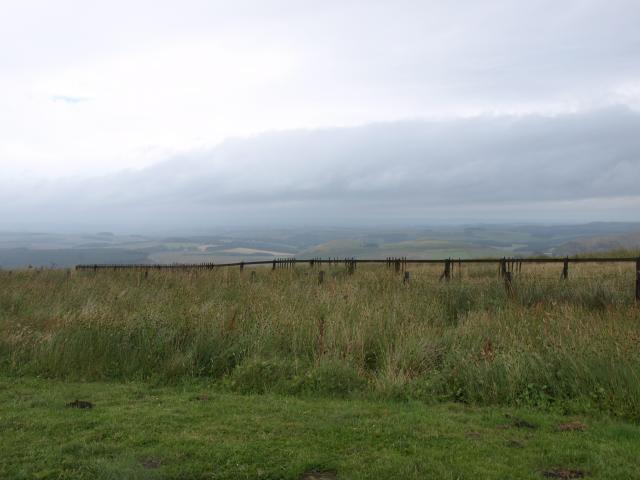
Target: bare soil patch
79	404
521	423
319	475
151	463
564	473
572	427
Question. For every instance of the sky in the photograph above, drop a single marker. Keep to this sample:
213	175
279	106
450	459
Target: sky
144	114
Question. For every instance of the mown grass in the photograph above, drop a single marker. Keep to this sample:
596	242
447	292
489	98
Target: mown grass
566	345
197	431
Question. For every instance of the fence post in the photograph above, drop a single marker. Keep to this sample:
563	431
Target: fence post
447	270
241	266
406	277
320	277
507	283
565	268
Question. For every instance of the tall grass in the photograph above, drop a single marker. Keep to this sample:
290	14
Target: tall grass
572	343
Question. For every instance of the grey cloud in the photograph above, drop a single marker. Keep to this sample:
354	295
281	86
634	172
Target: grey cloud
508	167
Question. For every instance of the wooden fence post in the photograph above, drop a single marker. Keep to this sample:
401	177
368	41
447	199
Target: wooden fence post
507	283
447	270
565	269
320	277
406	277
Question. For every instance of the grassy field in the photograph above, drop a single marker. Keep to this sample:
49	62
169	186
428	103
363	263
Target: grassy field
430	353
426	248
195	431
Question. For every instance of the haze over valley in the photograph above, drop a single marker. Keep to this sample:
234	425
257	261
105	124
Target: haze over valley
19	250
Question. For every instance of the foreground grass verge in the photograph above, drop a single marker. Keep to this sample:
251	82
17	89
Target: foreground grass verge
136	430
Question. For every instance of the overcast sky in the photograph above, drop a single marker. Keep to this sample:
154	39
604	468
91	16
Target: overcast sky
164	112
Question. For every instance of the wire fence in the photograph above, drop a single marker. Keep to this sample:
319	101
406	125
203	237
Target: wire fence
506	266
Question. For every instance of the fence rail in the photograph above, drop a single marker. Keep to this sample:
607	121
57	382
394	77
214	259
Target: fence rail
337	261
507	266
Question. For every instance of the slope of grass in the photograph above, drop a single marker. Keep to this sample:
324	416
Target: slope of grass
141	431
556	344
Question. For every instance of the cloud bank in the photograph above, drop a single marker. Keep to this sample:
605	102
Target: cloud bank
568	167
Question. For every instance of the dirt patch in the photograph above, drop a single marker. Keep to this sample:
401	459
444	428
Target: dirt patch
564	473
517	423
572	427
521	423
473	435
515	444
151	463
319	475
79	404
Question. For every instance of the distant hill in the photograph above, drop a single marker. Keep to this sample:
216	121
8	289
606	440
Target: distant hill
68	257
420	242
603	243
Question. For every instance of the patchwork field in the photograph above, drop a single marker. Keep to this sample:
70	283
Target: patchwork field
18	250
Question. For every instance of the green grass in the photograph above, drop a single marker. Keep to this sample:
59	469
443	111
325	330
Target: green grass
229	374
570	344
196	431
